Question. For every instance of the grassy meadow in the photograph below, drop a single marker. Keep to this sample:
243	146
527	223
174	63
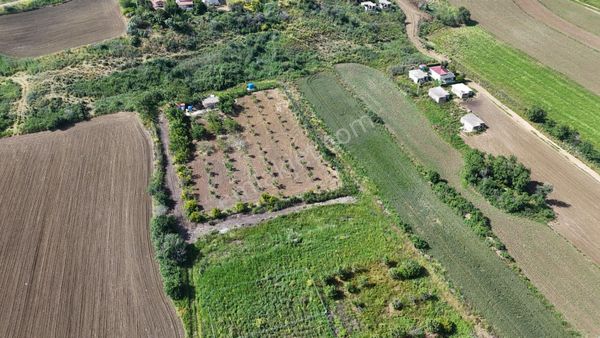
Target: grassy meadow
314	273
488	284
520	81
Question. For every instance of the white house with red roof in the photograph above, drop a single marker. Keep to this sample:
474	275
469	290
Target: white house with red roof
441	74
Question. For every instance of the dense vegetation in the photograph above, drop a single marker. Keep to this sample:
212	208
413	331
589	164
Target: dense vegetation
507	184
281	277
9	93
452	243
522	83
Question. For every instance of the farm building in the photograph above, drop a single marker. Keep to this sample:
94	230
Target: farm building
439	94
212	2
471	123
210	102
461	90
185	4
384	4
158	4
368	6
418	76
441	74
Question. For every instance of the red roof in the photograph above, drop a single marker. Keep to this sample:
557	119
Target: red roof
439	70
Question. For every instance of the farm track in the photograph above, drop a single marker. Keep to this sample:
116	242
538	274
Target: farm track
75	251
554	48
538	250
51	29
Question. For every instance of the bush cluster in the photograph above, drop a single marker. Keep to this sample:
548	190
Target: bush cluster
409	269
564	133
506	183
172	255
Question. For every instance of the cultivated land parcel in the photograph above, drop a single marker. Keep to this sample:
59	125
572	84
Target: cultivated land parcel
479	274
75	250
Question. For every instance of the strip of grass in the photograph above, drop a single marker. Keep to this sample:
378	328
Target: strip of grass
276	279
493	289
593	3
520	81
27	5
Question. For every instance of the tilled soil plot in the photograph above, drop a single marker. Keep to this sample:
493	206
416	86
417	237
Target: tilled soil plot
75	253
272	155
51	29
551	46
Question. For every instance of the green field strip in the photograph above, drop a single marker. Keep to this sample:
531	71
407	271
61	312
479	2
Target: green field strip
489	285
522	81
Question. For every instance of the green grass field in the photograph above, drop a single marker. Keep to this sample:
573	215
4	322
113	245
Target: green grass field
593	3
489	285
267	281
520	81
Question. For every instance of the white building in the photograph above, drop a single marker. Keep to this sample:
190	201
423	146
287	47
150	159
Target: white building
212	2
471	123
210	102
418	76
368	6
187	5
438	94
384	4
461	90
441	74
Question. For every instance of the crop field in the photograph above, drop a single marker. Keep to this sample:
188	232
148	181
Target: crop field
521	82
51	29
538	250
75	256
316	273
507	21
575	13
471	266
272	154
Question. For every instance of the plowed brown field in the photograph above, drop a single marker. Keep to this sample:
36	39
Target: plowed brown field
75	254
51	29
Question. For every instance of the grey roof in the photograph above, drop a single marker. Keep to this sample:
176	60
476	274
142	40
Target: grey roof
438	92
419	74
210	100
472	120
461	87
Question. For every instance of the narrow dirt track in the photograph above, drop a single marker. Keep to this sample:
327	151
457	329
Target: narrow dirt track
51	29
75	252
556	49
542	14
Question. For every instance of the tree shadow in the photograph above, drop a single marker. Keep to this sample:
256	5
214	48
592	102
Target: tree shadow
557	203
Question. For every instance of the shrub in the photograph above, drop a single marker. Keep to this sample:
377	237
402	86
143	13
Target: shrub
409	269
536	114
397	304
352	288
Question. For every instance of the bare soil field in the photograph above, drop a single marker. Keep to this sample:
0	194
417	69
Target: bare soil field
552	46
271	155
75	252
576	192
575	13
51	29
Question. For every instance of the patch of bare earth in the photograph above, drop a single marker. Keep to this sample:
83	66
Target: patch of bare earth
271	155
51	29
75	252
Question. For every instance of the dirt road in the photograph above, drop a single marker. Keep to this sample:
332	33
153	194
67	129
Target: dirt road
75	252
51	29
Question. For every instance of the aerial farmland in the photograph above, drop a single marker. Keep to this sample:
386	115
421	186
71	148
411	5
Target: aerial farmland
315	168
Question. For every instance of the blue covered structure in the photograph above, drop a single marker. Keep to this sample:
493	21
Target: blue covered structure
250	87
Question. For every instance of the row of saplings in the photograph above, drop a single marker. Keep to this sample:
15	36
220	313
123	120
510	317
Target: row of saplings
343	279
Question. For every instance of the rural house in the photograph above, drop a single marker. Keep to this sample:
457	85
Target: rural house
210	102
471	123
441	74
439	94
461	90
384	4
185	4
368	6
212	2
418	76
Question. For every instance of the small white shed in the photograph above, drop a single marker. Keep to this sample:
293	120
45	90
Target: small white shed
418	76
461	90
384	4
439	94
471	123
210	102
368	6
